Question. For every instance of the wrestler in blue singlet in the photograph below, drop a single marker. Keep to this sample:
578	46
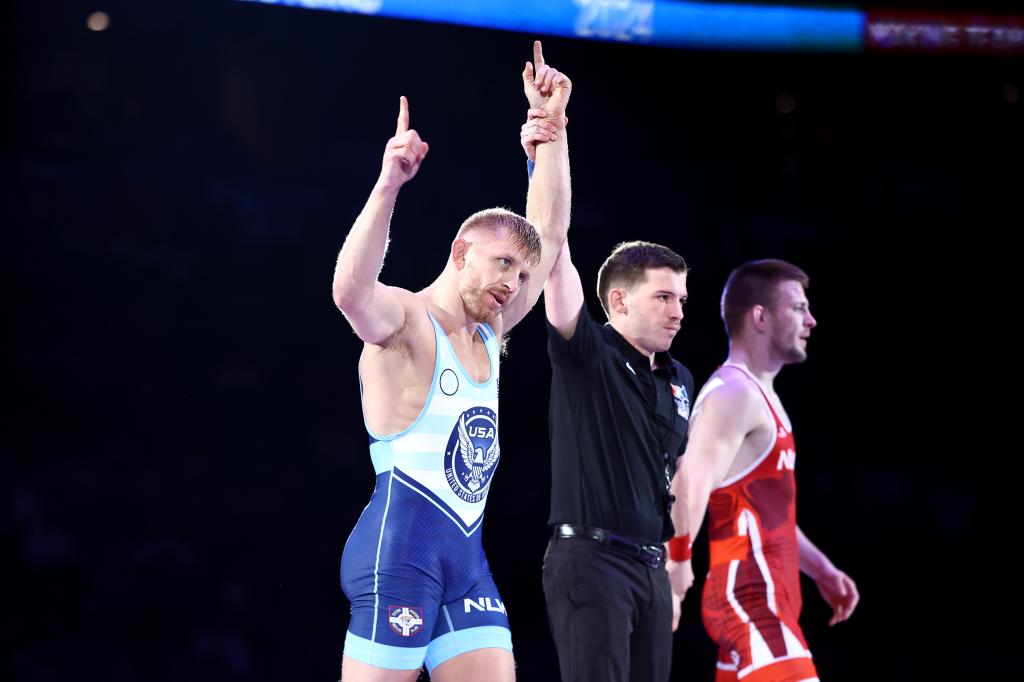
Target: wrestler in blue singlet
414	568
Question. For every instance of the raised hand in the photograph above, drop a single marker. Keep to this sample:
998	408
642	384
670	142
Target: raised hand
546	87
404	151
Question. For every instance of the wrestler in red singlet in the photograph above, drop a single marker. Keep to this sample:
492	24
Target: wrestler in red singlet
751	601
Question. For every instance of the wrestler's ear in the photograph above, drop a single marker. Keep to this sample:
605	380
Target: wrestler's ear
758	317
460	247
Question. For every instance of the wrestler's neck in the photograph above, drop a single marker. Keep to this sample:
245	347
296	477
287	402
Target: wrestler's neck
757	359
446	305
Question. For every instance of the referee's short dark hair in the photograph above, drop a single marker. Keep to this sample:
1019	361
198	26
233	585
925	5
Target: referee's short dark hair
628	264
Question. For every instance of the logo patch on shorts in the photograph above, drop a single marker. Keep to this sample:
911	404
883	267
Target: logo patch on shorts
472	454
405	620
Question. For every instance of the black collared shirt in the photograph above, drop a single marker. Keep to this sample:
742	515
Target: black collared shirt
617	429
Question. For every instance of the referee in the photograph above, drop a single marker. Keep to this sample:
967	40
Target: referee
618	422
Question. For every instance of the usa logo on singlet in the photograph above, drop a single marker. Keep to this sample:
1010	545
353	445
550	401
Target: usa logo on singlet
472	454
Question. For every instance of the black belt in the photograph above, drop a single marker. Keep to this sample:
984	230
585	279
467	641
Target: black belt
648	555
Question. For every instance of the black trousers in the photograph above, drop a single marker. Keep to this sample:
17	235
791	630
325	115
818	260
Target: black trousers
610	615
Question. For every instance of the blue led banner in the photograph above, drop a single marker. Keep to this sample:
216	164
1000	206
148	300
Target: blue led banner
693	25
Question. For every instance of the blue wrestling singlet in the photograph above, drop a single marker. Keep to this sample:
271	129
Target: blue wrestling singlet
414	568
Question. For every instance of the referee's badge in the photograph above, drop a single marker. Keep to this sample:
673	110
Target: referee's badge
682	401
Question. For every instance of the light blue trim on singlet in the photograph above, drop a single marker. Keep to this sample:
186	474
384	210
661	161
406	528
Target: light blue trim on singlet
452	644
383	655
448	617
486	333
376	561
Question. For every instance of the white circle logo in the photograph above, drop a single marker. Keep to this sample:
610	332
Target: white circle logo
448	382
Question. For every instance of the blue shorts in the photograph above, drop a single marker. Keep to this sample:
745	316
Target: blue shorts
420	587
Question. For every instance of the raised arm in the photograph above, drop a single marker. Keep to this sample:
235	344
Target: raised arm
563	294
376	311
549	198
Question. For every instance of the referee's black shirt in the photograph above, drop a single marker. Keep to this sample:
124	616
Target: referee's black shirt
612	421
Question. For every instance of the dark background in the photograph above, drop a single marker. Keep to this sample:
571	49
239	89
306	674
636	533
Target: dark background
184	453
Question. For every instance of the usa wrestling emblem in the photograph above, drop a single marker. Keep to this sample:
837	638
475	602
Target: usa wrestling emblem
472	454
405	620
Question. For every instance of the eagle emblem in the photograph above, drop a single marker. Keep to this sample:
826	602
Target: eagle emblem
472	453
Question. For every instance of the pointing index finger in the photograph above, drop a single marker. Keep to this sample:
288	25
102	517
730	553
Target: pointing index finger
403	115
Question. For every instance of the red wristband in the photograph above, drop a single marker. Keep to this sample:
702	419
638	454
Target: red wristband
680	548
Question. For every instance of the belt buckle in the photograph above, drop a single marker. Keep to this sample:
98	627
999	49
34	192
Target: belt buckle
652	555
566	531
